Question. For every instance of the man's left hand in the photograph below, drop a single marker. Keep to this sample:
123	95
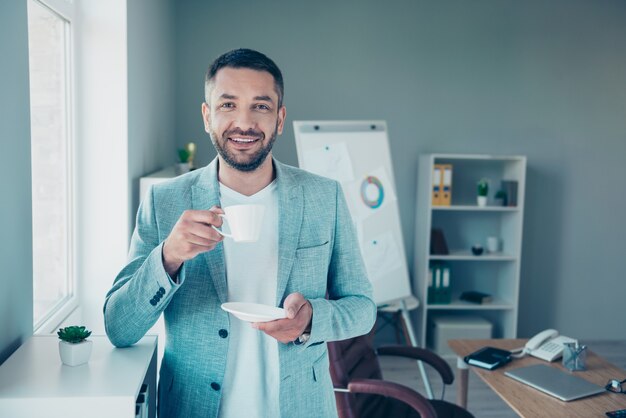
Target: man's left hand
299	313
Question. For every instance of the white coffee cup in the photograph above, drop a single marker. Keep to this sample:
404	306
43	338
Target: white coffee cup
493	244
244	222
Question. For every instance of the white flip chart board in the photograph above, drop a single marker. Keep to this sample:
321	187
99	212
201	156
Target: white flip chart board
356	154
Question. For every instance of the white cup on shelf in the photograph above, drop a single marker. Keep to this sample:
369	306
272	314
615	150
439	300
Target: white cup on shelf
493	244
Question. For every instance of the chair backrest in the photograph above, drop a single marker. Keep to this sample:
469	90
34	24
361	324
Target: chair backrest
353	359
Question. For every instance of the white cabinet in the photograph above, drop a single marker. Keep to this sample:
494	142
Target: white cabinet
154	178
34	382
465	224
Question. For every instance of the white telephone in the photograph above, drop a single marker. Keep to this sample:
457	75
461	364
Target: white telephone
547	345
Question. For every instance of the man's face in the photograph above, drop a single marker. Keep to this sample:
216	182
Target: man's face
243	117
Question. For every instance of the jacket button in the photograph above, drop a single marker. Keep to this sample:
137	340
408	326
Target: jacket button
161	291
223	333
153	302
215	386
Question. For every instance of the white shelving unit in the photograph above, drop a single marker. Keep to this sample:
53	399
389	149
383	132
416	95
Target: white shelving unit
464	224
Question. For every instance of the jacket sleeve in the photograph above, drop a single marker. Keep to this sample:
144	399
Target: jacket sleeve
143	289
349	310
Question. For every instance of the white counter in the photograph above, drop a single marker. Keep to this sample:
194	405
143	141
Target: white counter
34	383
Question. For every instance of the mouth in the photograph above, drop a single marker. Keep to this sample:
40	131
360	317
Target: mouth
240	140
242	143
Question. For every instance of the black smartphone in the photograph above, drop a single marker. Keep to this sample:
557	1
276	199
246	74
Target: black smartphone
617	414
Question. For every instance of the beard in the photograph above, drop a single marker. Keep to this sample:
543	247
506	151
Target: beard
245	162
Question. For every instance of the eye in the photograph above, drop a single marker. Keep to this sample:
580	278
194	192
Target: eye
227	105
261	106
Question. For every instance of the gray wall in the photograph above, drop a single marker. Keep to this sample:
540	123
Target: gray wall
151	140
16	280
542	79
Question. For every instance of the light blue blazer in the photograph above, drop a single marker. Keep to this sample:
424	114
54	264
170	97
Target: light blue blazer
318	255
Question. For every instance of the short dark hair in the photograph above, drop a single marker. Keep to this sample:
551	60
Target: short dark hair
245	58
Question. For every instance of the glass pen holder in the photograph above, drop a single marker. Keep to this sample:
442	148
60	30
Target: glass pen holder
574	356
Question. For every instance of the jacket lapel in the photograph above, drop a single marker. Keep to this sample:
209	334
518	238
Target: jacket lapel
290	213
205	194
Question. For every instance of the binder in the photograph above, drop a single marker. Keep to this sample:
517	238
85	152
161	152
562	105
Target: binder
436	184
445	295
439	290
437	281
445	198
431	287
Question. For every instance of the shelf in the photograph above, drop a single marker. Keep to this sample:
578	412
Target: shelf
496	304
477	208
466	255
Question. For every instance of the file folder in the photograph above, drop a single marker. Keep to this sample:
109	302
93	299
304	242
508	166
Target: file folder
445	295
439	290
437	285
436	184
431	287
445	197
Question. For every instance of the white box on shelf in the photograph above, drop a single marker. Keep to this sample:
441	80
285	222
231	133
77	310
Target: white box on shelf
444	328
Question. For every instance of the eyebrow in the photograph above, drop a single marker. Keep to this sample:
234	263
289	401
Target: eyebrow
264	98
231	97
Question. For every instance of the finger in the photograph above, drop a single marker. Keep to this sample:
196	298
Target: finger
204	231
264	326
293	304
273	326
194	249
216	209
209	217
203	242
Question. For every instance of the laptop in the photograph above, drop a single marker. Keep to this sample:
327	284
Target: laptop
555	382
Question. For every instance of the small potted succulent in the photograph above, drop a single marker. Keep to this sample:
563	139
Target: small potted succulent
483	191
184	165
74	347
186	156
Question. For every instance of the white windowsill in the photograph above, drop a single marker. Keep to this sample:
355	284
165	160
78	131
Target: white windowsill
54	322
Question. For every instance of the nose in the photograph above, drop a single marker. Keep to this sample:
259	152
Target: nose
245	120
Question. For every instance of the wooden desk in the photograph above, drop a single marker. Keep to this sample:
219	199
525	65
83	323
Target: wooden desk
529	402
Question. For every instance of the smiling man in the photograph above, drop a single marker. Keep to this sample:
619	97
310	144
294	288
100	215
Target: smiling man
307	261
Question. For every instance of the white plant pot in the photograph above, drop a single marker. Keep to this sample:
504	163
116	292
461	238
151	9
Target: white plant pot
182	168
75	354
482	200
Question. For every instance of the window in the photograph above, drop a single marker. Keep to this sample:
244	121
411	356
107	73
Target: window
49	38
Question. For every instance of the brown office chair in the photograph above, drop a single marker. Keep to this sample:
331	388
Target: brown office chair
354	368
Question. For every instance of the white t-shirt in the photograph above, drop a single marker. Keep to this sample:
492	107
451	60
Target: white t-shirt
251	381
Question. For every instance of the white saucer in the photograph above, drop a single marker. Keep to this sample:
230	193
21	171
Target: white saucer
254	312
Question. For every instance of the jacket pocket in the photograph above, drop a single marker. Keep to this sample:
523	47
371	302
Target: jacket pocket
311	246
321	367
310	270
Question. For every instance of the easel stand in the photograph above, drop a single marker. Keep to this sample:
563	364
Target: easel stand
402	307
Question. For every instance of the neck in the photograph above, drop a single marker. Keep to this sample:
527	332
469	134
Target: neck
246	182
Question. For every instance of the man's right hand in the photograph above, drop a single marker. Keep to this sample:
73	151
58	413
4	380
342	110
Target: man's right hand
191	236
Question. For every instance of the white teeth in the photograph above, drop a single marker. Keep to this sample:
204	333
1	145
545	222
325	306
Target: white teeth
244	140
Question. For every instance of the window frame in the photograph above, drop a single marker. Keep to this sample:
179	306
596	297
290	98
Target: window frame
65	9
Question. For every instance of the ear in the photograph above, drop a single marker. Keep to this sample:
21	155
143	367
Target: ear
282	115
206	117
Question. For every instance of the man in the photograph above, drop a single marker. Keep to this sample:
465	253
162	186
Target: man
307	261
